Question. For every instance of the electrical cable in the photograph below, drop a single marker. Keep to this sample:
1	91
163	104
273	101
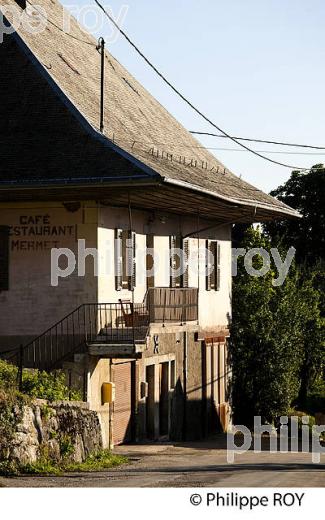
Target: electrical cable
189	103
261	141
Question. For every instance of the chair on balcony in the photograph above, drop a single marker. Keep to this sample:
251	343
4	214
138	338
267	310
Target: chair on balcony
132	317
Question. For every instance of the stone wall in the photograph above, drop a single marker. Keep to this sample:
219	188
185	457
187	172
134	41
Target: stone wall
56	431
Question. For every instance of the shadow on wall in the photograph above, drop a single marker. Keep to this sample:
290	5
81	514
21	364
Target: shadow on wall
194	422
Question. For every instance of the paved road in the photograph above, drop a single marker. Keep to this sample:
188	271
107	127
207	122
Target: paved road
192	465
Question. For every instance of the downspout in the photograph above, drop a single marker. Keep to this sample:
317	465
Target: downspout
101	49
185	360
131	274
110	415
198	265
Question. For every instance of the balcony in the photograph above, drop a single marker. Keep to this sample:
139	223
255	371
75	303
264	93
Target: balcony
123	327
108	329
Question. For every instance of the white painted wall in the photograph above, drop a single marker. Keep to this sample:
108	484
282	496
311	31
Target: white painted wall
214	306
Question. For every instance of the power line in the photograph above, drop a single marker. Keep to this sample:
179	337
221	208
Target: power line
223	149
260	151
261	141
186	100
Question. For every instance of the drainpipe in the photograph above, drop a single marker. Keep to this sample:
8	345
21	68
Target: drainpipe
110	415
185	371
101	49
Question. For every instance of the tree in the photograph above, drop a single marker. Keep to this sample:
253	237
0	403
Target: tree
274	331
304	192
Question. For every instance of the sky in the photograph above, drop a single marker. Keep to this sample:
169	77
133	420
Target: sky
255	67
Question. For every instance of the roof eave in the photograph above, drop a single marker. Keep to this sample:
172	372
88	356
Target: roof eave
284	213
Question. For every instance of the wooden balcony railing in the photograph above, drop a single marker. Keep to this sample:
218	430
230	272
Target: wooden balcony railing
172	305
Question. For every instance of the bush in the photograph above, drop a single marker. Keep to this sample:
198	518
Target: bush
41	385
8	376
49	386
99	461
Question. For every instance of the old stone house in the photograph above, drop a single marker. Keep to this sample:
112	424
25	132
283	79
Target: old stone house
143	183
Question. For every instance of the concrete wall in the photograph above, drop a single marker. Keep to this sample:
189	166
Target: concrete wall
191	416
192	371
99	372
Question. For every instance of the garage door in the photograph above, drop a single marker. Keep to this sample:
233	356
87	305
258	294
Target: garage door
122	427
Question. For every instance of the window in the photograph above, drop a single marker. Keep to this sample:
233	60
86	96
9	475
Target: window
125	262
178	263
213	265
4	258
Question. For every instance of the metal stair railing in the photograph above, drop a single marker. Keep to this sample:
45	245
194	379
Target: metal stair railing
89	323
105	323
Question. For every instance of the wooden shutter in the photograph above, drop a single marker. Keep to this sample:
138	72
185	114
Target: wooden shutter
118	259
175	242
186	250
131	259
218	265
4	258
209	267
172	246
150	260
213	279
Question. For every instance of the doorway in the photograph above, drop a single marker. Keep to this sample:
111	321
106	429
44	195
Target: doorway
163	399
150	402
122	424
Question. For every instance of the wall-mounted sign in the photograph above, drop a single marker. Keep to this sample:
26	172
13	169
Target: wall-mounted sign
37	233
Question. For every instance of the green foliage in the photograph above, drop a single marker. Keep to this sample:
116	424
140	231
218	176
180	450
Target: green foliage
274	331
41	467
42	385
304	192
36	384
9	468
66	446
299	415
47	412
8	376
104	459
315	400
99	461
11	409
50	386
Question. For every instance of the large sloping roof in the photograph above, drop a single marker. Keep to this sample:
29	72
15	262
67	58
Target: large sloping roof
134	120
